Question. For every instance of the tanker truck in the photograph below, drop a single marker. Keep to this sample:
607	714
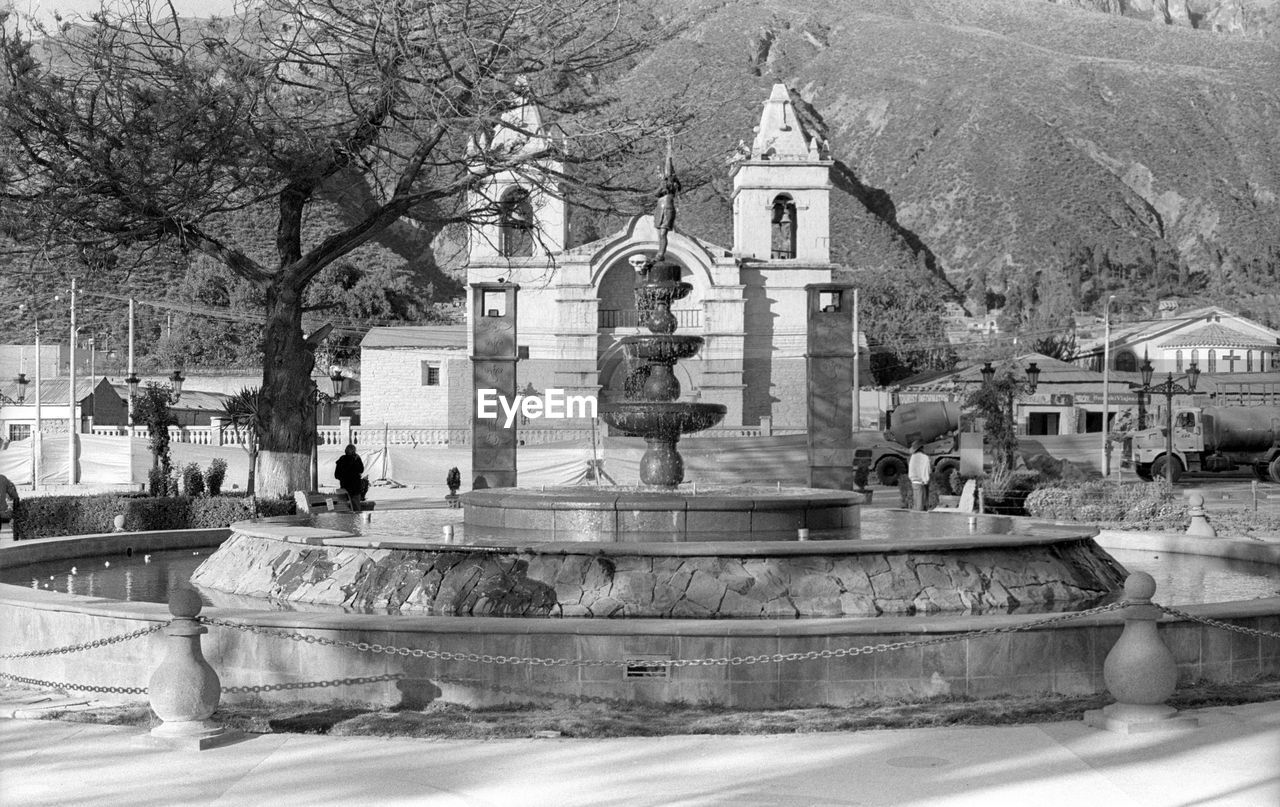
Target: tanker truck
1209	439
934	423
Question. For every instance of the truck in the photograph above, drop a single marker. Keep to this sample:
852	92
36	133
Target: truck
885	453
1209	439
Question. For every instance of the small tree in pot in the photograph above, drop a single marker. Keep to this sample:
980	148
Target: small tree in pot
453	480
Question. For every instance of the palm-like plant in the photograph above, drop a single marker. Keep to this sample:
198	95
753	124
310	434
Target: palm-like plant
242	413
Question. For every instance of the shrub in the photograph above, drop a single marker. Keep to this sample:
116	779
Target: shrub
215	475
1005	492
1152	505
453	480
50	516
906	498
192	479
157	481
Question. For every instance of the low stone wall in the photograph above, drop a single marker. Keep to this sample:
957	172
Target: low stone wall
721	581
1066	658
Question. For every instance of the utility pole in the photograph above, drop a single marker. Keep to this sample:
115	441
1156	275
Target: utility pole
857	375
71	396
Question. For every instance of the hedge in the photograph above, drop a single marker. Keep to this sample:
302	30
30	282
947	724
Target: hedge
49	516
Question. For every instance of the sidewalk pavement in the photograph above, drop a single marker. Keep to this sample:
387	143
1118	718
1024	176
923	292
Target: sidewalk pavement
1233	758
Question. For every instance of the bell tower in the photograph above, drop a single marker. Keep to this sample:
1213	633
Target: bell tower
531	218
782	189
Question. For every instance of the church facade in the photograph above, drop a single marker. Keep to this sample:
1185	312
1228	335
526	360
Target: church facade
748	301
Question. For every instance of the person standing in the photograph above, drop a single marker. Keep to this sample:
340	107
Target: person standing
918	469
349	471
7	493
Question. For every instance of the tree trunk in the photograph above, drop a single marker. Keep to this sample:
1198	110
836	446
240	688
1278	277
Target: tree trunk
287	396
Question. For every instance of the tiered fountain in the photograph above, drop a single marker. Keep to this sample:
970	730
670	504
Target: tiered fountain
660	511
653	410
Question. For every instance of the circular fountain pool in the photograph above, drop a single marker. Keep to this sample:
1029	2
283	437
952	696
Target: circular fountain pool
1063	658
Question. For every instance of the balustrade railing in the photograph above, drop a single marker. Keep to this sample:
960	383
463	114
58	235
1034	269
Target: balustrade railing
374	436
630	318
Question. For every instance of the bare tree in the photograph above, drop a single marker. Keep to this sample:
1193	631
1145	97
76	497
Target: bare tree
138	129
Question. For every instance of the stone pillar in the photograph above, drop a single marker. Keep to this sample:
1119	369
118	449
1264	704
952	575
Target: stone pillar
184	690
1140	672
216	425
1199	523
344	427
493	366
829	357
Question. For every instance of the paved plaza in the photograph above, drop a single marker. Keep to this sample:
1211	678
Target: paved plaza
1233	758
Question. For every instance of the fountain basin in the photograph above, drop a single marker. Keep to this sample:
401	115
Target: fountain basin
1065	658
613	515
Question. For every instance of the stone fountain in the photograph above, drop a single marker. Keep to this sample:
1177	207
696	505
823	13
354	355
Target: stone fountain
652	409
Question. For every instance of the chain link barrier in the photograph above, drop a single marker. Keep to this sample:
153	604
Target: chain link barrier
336	682
18	679
1213	623
724	661
75	648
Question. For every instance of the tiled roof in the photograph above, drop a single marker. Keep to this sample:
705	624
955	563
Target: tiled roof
1215	334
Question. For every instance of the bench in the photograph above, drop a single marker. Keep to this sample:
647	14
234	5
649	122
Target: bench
336	502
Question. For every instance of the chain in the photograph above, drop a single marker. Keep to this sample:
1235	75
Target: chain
77	687
339	682
74	648
535	661
1204	620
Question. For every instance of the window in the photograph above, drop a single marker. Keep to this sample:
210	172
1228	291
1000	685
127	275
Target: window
515	223
19	431
1177	361
1213	361
1195	358
431	374
1127	362
783	244
1248	361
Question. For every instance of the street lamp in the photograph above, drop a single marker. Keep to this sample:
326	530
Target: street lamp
22	382
339	384
1169	388
133	381
1011	394
176	379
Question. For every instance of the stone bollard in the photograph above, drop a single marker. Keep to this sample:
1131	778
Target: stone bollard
184	689
1140	672
1199	524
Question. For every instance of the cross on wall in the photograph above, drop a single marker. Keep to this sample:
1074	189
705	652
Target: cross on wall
1231	359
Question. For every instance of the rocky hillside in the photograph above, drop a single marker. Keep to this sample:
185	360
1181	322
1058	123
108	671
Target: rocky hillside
1258	18
992	139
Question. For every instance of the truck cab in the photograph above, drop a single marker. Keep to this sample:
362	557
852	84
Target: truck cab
1145	450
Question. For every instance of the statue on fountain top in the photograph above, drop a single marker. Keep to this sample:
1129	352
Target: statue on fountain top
664	214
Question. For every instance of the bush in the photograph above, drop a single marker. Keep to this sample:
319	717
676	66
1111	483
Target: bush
215	475
49	516
192	479
157	481
906	498
1006	492
1152	505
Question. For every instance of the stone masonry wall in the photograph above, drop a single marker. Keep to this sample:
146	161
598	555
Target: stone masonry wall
523	583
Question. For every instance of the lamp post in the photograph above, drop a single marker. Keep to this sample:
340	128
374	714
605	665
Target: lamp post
1146	369
175	380
339	383
1032	371
36	436
1106	389
1169	388
133	381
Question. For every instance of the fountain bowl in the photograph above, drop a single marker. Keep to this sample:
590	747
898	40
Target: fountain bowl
664	348
665	420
